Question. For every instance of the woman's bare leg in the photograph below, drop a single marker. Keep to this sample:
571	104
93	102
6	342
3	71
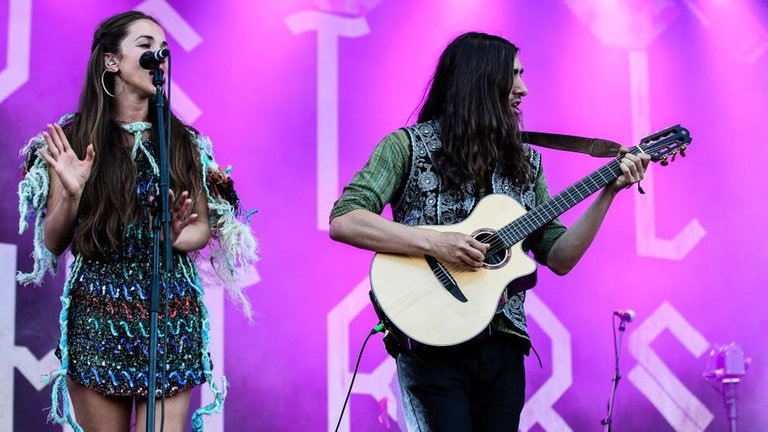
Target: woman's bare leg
176	409
96	412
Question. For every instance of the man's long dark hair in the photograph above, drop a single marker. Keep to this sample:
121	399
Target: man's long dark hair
469	95
109	203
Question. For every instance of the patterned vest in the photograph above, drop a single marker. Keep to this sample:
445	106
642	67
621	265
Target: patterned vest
424	202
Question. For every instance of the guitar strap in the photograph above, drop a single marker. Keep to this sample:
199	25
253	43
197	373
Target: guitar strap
596	147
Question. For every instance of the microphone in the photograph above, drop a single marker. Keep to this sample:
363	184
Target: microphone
152	59
626	315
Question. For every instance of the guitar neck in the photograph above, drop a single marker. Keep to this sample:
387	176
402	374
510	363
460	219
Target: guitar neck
522	227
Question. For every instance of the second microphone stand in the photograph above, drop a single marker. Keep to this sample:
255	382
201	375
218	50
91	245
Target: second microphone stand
161	222
608	420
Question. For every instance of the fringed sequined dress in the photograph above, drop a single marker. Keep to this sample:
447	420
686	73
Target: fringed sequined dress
108	316
105	313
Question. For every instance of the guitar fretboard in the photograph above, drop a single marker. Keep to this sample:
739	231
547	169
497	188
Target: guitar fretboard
522	227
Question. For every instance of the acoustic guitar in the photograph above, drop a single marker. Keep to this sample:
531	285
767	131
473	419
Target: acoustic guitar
436	304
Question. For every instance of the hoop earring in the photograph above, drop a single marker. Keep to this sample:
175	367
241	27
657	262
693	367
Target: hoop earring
104	85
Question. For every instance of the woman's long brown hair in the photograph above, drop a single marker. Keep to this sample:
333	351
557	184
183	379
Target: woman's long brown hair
469	94
109	203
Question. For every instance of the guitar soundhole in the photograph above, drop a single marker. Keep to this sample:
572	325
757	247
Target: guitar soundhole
497	256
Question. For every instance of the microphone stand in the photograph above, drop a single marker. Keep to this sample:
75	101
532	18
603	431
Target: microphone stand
727	365
608	420
161	222
730	399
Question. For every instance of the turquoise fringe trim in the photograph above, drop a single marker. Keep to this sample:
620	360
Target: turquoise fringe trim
33	197
219	394
233	248
61	410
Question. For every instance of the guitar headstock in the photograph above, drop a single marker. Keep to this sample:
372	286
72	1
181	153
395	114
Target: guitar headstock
666	143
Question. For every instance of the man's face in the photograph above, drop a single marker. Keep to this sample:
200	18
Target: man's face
518	87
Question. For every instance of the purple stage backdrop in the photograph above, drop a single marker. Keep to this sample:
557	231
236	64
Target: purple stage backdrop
296	93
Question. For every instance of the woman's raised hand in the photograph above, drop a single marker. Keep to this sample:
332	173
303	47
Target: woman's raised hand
71	170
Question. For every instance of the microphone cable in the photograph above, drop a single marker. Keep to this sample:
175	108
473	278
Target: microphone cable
379	328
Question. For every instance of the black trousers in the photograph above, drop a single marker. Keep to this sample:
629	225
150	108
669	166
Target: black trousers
478	386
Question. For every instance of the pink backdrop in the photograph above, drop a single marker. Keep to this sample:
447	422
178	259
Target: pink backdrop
296	93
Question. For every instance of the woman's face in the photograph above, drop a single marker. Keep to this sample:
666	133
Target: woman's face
143	35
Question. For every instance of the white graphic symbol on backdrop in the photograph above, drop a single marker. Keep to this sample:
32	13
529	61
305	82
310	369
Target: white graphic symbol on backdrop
626	25
683	410
329	27
188	39
377	384
539	408
16	71
15	357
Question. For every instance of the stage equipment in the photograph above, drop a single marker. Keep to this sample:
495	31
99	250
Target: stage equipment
727	365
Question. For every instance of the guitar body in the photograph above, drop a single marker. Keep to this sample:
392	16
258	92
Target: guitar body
417	303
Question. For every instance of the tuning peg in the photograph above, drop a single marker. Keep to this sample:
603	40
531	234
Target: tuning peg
664	161
682	151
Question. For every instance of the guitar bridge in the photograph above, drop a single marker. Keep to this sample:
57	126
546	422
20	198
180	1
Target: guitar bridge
445	278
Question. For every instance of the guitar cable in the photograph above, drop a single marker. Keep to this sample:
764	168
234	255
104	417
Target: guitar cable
377	329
